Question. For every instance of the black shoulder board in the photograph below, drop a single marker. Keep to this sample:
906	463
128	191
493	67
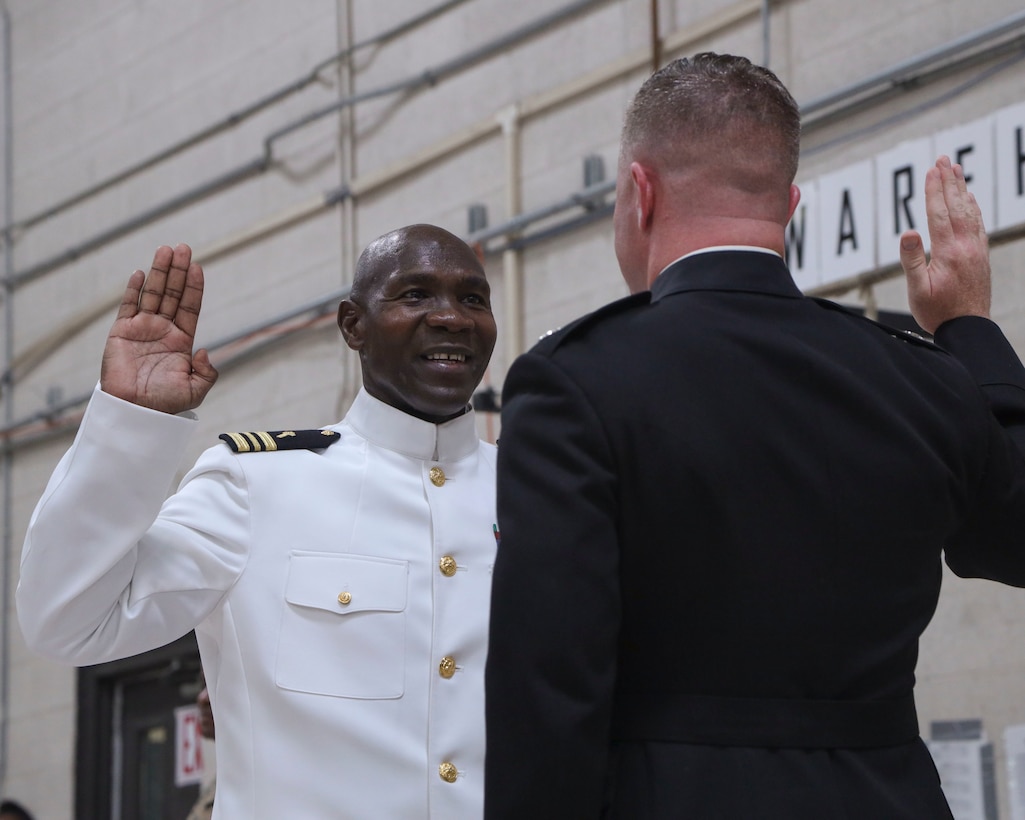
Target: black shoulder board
279	440
900	333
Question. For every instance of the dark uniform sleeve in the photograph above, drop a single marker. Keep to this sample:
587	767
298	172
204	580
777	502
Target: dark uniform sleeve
555	602
984	350
991	544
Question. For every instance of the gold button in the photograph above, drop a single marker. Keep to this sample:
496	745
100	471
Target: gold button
448	772
447	667
437	476
344	598
447	565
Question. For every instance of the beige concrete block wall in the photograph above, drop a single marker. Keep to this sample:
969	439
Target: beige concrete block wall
101	85
41	709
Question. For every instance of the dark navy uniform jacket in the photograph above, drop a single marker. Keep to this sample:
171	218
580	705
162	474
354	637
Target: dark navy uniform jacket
724	508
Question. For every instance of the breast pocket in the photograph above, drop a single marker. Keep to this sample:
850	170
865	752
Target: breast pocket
343	631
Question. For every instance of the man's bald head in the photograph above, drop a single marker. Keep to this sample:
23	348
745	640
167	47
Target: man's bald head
419	315
406	249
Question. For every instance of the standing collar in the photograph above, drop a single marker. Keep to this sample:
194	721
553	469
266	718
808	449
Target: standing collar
388	427
753	270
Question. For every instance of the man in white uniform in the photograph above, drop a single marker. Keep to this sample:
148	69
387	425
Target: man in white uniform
337	579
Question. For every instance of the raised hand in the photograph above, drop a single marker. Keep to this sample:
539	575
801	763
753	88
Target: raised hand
148	359
956	280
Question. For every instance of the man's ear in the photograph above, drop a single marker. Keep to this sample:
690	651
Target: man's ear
644	181
349	322
795	199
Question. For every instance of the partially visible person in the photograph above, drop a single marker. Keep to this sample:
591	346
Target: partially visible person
10	810
337	578
724	505
206	713
203	808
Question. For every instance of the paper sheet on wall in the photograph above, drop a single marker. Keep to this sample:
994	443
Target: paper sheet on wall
959	763
1014	746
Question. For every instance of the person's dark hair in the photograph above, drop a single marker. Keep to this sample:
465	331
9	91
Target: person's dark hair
742	106
15	810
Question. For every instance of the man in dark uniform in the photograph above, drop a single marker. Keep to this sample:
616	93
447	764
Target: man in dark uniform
724	505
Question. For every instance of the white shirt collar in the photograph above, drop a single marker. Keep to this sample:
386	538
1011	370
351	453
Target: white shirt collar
751	248
389	427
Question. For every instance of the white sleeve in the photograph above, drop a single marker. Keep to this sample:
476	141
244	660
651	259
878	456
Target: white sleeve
109	569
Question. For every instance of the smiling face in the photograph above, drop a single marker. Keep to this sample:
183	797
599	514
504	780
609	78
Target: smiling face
419	316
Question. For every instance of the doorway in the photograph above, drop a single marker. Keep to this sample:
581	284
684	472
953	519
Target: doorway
127	739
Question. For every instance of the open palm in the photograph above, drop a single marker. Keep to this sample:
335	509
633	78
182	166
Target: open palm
956	281
148	359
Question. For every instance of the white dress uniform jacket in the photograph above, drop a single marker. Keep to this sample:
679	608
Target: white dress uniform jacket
340	599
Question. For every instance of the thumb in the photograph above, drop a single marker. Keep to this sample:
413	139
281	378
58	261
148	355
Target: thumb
916	269
912	258
202	367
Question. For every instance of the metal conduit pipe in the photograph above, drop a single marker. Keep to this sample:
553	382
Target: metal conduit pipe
594	213
21	364
262	163
54	421
530	107
322	305
434	75
656	41
981	77
368	183
54	427
956	52
592	201
232	119
548	100
589	200
586	198
765	32
533	106
141	219
512	263
348	236
7	388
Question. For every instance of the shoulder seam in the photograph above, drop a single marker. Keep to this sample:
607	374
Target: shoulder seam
588	319
898	333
